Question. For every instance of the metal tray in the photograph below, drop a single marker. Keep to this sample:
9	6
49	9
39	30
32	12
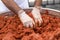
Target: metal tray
50	11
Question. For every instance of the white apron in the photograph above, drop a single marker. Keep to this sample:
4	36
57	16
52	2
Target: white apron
21	3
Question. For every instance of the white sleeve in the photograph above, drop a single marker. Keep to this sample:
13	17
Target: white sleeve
3	8
22	3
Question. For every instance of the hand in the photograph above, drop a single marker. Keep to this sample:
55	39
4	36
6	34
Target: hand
37	16
26	20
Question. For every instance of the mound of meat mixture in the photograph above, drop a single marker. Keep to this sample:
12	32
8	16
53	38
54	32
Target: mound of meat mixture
11	28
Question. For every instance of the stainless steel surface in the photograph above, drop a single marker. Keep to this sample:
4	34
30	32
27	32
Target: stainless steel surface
54	4
46	2
31	2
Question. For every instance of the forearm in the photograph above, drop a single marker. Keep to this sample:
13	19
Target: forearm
38	2
12	5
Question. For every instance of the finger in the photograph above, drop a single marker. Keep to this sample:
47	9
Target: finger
36	20
31	25
40	21
27	25
24	24
33	22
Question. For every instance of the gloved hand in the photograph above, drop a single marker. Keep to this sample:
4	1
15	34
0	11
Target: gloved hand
37	16
25	19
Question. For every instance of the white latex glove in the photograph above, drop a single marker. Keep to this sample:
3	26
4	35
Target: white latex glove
26	20
37	16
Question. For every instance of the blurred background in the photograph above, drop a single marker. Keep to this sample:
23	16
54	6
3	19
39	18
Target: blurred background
54	4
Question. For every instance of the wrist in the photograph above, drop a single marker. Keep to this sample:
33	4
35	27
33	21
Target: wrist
20	12
38	7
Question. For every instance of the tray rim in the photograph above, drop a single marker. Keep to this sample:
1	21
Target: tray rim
51	11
